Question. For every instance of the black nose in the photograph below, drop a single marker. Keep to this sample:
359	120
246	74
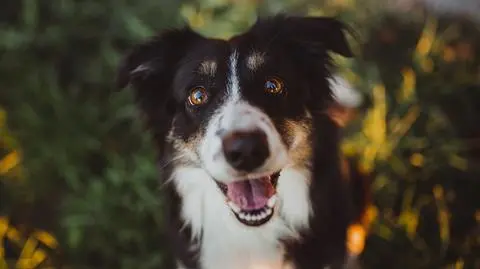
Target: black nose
246	151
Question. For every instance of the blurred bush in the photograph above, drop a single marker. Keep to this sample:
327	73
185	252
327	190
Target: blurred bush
78	179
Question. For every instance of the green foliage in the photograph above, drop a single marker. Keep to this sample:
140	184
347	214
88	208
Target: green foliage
87	171
88	163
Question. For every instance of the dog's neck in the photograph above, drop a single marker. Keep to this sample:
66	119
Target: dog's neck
224	241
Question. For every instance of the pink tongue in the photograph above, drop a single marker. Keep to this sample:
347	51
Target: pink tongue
250	194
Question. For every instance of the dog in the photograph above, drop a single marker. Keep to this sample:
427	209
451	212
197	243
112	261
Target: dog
248	154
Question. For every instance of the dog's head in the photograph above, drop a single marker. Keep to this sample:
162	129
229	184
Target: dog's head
239	110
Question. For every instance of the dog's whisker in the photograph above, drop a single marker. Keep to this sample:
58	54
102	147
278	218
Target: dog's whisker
178	157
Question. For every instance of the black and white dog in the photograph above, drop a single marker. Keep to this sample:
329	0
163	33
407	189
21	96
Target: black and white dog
249	156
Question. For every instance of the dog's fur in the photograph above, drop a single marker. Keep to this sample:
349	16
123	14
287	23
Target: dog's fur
308	228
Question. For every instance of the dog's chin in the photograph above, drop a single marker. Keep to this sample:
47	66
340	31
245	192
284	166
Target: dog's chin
252	198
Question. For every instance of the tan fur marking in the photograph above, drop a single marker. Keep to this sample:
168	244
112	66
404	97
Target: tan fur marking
208	68
186	151
341	115
255	60
300	150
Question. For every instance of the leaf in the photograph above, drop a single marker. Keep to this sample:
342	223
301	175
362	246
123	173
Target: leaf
74	238
3	263
428	37
407	89
458	162
8	162
30	15
46	238
384	232
28	249
375	122
137	27
409	220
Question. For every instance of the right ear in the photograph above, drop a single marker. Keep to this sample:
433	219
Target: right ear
156	57
150	68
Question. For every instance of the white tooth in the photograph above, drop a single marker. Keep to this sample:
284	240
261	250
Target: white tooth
256	217
249	217
234	207
242	216
263	215
269	212
271	202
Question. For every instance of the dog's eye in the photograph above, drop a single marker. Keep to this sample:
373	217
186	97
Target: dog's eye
198	96
273	86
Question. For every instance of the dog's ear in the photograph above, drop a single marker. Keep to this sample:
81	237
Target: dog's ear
313	34
319	33
306	41
156	57
150	68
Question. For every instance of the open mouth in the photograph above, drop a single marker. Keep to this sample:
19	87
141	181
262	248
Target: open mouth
252	200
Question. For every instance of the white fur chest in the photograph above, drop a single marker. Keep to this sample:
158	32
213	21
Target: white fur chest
228	244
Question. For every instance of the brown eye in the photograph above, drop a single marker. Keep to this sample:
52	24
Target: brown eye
198	96
273	86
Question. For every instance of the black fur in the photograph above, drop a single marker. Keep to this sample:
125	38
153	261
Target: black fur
161	72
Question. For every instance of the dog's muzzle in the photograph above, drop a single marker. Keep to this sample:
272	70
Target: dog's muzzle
245	151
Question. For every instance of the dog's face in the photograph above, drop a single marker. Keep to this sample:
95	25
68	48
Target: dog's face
239	110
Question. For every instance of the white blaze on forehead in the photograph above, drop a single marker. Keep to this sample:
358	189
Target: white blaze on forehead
237	114
255	60
203	204
208	67
233	82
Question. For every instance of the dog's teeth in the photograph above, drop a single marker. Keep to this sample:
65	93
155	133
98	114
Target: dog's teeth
269	212
262	215
242	216
271	202
234	207
249	217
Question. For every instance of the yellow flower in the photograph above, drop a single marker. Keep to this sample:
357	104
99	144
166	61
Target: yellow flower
46	239
349	148
438	192
459	264
370	215
425	43
408	87
458	162
444	221
417	160
9	161
409	220
356	235
449	54
427	65
3	232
